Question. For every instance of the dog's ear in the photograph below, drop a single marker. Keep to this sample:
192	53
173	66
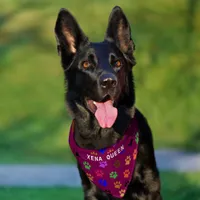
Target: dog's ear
69	36
119	32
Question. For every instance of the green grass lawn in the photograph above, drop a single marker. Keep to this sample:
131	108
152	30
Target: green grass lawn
34	122
175	186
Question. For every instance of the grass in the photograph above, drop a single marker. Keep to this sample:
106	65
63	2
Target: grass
179	186
34	123
40	194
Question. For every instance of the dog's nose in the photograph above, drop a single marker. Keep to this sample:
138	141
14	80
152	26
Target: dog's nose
108	81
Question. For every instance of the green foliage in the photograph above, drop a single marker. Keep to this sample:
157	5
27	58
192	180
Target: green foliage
179	186
34	123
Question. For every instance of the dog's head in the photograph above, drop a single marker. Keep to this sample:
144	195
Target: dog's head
98	75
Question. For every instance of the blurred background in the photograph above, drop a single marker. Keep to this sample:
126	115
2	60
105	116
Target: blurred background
34	123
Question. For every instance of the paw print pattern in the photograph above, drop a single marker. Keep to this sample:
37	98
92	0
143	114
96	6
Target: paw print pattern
90	176
110	150
103	164
102	151
94	153
117	184
137	138
103	182
127	160
99	173
122	193
134	154
126	173
113	175
117	164
122	151
86	165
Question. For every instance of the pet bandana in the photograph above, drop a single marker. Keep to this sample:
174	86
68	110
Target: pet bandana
110	169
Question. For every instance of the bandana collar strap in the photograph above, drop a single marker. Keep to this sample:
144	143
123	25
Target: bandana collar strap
110	169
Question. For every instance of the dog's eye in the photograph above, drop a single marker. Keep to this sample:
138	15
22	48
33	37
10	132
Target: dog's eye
85	64
118	63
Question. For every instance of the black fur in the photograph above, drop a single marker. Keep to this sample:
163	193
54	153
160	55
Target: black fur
85	83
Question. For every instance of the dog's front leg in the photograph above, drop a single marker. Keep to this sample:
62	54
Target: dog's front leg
155	196
88	188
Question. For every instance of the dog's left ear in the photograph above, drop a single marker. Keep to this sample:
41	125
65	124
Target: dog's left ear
119	32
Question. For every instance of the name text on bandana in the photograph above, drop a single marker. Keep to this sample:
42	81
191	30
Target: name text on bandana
108	156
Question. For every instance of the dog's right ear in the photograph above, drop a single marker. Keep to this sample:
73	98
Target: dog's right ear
69	37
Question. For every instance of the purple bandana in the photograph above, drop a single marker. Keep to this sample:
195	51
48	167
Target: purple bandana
110	169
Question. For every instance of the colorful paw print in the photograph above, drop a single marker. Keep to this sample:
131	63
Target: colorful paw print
103	164
86	165
93	153
110	150
134	154
117	163
122	151
90	176
99	173
127	160
126	173
137	138
122	193
102	151
117	184
103	182
113	175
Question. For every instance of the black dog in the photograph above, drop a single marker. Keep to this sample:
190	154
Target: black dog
99	78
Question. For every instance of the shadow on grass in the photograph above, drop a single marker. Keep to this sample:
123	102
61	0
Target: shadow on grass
36	140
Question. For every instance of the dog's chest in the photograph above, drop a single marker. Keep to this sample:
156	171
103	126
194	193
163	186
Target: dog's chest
98	141
105	140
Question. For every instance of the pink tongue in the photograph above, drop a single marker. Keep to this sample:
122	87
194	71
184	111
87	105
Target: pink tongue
106	114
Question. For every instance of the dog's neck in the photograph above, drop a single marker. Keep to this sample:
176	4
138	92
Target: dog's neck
89	135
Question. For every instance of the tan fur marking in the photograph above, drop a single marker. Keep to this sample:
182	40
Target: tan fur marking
70	40
122	35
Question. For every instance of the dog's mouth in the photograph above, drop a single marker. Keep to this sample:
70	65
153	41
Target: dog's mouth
104	111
